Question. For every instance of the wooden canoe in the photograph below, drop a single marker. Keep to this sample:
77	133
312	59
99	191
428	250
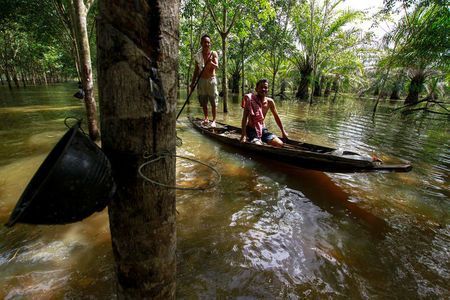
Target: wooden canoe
300	154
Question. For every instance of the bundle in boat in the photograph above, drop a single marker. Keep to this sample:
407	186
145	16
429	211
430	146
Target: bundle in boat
73	182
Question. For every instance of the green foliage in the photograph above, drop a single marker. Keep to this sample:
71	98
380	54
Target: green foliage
29	39
328	46
422	38
419	45
274	39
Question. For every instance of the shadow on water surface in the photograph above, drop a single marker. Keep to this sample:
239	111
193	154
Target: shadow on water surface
321	190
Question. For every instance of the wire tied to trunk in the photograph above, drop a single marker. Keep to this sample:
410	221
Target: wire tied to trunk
156	157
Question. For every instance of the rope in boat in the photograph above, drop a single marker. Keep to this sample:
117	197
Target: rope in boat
167	154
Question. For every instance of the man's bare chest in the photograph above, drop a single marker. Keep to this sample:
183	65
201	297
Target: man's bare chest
265	107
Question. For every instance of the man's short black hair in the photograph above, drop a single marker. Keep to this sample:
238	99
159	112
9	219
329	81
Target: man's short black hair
264	80
205	36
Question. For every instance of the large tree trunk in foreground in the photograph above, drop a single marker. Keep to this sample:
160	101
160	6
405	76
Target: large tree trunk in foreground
86	68
133	38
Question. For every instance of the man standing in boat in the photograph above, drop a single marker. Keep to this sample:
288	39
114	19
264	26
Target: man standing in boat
206	63
256	107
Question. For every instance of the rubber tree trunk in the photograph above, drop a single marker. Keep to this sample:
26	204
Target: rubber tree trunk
224	68
242	46
137	41
15	78
86	68
8	77
235	77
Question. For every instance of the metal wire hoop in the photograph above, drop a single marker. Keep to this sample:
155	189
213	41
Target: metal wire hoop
78	123
158	157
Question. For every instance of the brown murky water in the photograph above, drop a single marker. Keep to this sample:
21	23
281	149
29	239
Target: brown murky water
267	230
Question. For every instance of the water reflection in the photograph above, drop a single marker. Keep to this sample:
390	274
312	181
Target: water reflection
268	230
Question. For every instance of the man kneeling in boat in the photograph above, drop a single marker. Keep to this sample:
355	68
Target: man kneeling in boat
256	107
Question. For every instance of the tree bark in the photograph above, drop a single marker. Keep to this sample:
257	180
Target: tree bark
23	78
318	87
8	77
335	87
224	69
395	94
415	88
327	91
138	40
86	68
235	81
242	44
303	87
274	77
14	76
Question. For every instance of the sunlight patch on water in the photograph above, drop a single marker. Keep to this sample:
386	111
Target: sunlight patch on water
281	238
14	178
37	108
56	251
36	285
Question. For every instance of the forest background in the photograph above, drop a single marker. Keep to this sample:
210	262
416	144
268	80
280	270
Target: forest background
305	48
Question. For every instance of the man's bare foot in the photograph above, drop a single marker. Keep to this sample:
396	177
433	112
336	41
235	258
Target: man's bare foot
213	124
205	122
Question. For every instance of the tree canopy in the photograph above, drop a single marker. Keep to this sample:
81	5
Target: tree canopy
309	46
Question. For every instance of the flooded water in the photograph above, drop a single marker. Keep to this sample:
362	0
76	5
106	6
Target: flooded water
267	230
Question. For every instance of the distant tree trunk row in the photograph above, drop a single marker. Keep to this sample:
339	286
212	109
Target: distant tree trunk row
32	76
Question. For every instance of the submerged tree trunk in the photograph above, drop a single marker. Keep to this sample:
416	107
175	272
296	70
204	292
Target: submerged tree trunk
137	41
395	94
235	81
303	87
274	78
415	88
318	87
335	87
23	78
86	68
8	78
15	78
327	90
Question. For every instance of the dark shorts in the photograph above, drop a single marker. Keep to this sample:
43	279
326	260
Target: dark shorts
266	135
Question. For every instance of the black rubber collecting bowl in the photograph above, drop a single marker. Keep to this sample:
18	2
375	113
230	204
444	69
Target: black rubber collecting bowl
73	182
